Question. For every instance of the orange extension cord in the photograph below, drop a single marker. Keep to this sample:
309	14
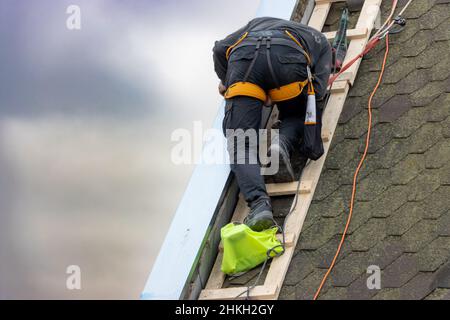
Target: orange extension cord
369	110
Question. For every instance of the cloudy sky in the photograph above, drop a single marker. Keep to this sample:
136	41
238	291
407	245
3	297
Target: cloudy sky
85	123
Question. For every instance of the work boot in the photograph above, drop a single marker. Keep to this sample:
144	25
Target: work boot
260	217
280	148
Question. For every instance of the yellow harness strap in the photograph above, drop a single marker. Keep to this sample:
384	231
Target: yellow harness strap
248	89
288	91
245	89
228	52
300	45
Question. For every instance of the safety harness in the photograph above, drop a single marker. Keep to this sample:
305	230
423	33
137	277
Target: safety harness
311	145
280	93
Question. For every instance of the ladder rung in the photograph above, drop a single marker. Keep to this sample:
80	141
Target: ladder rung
351	33
287	188
345	76
288	239
328	1
326	135
339	86
258	292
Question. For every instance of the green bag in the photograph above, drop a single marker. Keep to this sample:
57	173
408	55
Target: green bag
244	249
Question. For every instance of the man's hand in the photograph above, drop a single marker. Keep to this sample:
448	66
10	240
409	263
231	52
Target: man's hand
222	88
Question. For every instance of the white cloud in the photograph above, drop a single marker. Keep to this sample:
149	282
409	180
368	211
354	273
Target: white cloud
104	189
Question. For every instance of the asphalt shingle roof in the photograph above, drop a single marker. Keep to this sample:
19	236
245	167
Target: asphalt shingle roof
401	219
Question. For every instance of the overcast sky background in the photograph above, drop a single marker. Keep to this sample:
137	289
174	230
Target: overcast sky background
85	124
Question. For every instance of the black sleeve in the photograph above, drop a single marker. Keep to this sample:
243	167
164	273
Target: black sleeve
220	49
322	71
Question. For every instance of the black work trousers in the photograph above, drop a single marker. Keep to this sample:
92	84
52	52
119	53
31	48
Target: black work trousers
244	112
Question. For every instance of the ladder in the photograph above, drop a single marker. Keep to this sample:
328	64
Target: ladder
368	19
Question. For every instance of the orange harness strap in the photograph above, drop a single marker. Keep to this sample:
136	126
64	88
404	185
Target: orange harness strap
227	54
248	89
300	45
288	91
245	89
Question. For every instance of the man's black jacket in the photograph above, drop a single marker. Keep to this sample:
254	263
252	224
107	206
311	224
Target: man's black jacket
313	41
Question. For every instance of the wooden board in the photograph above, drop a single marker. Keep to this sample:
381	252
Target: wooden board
259	292
319	15
311	174
351	34
287	188
327	1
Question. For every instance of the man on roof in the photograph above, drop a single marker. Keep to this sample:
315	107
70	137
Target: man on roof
271	60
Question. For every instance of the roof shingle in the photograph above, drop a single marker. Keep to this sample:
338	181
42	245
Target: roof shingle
401	219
